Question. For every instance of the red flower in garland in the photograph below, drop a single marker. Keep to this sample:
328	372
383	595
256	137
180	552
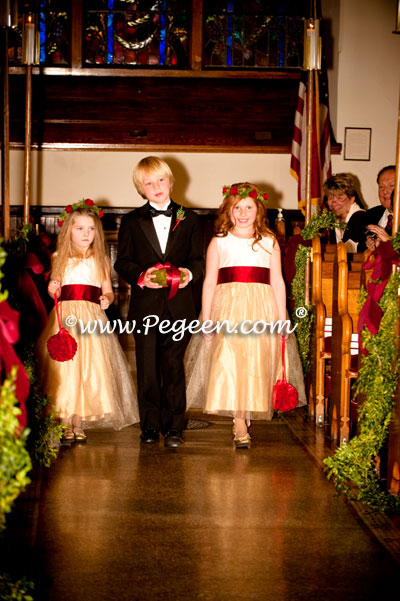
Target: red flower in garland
89	202
234	191
101	213
265	196
68	209
253	194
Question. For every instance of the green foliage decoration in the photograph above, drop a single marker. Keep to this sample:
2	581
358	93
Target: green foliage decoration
15	591
15	462
352	465
303	326
322	221
46	431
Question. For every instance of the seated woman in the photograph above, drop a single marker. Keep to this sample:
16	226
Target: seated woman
342	199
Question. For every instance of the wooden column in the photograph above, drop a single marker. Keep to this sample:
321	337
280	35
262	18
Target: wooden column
5	141
196	46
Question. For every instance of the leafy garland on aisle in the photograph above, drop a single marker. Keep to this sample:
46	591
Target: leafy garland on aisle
15	463
45	431
324	220
377	382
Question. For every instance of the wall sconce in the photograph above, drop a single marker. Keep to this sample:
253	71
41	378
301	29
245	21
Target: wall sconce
312	45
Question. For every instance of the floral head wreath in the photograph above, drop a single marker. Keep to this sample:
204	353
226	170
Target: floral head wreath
245	193
85	203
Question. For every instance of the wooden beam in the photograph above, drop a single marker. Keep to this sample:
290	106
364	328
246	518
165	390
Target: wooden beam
5	141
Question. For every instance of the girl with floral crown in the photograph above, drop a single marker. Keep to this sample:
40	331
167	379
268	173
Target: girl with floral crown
93	388
234	373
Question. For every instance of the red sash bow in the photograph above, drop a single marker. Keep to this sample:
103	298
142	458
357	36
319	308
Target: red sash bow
173	278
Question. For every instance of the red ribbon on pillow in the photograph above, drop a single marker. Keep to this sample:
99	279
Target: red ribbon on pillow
173	278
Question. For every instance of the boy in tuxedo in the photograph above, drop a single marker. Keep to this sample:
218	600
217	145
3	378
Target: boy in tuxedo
160	232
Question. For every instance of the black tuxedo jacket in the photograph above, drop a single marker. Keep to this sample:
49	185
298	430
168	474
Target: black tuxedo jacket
139	249
374	215
355	231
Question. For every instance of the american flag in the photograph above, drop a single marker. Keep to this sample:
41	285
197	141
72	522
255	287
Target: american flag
321	145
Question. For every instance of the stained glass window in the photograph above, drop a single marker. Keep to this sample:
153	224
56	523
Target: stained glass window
142	33
253	33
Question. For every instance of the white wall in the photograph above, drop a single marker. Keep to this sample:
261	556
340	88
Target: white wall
62	177
366	75
364	80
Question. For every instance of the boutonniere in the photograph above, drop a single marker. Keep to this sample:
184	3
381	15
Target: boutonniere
180	216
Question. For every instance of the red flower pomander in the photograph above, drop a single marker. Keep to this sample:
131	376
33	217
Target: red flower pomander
61	346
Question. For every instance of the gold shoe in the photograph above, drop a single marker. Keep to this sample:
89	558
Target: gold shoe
243	442
68	435
80	436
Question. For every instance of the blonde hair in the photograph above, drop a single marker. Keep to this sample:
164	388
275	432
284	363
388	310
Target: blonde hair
151	166
66	249
224	224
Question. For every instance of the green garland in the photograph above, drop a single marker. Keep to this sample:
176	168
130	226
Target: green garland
377	382
45	431
323	220
15	591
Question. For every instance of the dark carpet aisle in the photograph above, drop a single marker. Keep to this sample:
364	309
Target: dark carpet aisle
116	520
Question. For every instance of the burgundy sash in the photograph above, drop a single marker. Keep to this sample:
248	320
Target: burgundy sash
81	292
253	275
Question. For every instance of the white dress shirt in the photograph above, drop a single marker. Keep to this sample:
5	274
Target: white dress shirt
162	225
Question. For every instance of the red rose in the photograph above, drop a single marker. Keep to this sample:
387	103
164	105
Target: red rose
225	190
234	191
88	202
68	209
101	213
265	196
59	223
253	194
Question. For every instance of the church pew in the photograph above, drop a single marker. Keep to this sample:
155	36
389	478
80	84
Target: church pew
347	280
321	300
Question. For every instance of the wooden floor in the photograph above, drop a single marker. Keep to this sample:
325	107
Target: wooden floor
116	519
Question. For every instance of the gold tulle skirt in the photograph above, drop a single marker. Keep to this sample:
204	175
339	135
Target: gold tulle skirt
234	374
96	384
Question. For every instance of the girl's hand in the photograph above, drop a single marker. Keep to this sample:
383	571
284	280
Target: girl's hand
104	302
54	287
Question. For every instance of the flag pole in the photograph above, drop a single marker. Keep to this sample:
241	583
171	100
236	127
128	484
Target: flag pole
396	196
5	138
310	103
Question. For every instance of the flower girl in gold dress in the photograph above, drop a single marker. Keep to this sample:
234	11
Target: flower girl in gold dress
235	371
95	387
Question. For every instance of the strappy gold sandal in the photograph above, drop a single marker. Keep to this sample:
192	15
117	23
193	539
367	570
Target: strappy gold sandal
80	436
243	442
68	435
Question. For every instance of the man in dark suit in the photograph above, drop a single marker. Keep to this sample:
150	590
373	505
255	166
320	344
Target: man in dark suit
160	232
379	219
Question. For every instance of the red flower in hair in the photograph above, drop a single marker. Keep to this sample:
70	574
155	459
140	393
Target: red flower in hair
225	190
234	191
69	209
101	213
253	194
59	223
89	202
265	196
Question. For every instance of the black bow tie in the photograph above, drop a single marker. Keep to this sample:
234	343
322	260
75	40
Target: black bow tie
155	212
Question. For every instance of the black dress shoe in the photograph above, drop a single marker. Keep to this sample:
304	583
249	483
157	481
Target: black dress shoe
173	439
151	435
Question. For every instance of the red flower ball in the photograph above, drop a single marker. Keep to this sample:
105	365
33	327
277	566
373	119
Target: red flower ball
253	194
265	196
68	209
89	202
61	346
59	223
234	191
